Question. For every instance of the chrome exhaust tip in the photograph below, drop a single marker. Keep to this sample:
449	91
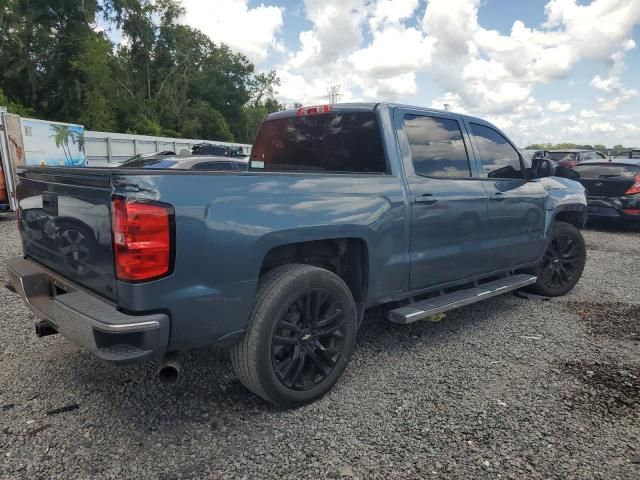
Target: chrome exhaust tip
170	369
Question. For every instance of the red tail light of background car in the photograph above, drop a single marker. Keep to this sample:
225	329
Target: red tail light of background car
635	188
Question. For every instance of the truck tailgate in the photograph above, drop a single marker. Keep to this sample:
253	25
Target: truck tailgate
66	224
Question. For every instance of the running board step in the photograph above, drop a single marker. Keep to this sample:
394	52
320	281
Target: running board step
443	303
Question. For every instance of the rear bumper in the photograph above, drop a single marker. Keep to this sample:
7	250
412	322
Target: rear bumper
614	207
86	319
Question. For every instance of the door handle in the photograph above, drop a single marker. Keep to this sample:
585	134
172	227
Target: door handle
498	197
426	198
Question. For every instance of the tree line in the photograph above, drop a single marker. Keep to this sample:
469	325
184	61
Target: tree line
614	150
164	78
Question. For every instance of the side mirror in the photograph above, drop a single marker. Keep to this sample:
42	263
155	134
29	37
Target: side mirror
543	167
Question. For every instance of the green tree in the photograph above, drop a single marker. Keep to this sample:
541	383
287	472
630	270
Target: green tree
253	116
14	107
144	125
94	66
164	78
262	87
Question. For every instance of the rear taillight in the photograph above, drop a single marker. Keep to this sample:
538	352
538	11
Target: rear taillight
635	188
142	238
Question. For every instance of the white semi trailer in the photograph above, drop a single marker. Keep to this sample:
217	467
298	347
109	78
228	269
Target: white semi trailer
26	141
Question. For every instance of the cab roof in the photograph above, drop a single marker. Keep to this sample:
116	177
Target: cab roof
367	107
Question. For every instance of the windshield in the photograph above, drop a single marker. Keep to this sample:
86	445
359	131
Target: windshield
606	170
560	156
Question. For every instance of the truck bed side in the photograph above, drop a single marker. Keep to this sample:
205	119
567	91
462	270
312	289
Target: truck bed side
226	224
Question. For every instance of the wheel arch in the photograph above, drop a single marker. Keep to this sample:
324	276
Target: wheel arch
573	215
347	257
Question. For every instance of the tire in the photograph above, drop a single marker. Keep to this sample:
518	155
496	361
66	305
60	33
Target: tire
281	333
562	264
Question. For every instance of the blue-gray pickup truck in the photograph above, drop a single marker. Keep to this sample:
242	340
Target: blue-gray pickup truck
342	208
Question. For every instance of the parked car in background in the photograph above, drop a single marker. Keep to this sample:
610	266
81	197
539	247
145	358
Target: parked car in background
149	155
196	162
343	208
533	154
632	154
216	150
571	157
613	188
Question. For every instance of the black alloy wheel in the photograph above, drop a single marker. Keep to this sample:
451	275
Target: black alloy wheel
563	261
308	340
560	263
299	337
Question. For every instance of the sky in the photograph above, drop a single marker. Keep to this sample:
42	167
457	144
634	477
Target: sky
544	71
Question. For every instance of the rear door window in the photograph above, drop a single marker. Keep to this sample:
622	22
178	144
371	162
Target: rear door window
499	158
437	147
330	142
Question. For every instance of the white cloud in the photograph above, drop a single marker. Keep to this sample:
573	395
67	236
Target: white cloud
385	45
613	90
449	101
602	127
376	50
403	84
558	107
337	29
392	11
251	31
588	114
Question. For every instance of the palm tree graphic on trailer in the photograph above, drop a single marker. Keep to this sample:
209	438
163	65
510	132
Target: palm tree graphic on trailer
61	135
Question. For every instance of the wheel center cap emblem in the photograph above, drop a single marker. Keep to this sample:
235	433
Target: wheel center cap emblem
306	337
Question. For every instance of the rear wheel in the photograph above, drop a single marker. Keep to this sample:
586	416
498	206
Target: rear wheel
300	335
563	262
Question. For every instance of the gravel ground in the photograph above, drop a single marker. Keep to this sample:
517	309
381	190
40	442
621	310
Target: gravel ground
509	388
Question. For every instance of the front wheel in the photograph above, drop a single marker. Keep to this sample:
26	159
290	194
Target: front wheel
563	262
300	335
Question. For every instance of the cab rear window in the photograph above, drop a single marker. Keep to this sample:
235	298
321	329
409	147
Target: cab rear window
606	170
332	142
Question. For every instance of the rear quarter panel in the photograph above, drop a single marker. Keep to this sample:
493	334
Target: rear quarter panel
226	224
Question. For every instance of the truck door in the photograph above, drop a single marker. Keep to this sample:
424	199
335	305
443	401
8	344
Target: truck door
516	212
448	200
